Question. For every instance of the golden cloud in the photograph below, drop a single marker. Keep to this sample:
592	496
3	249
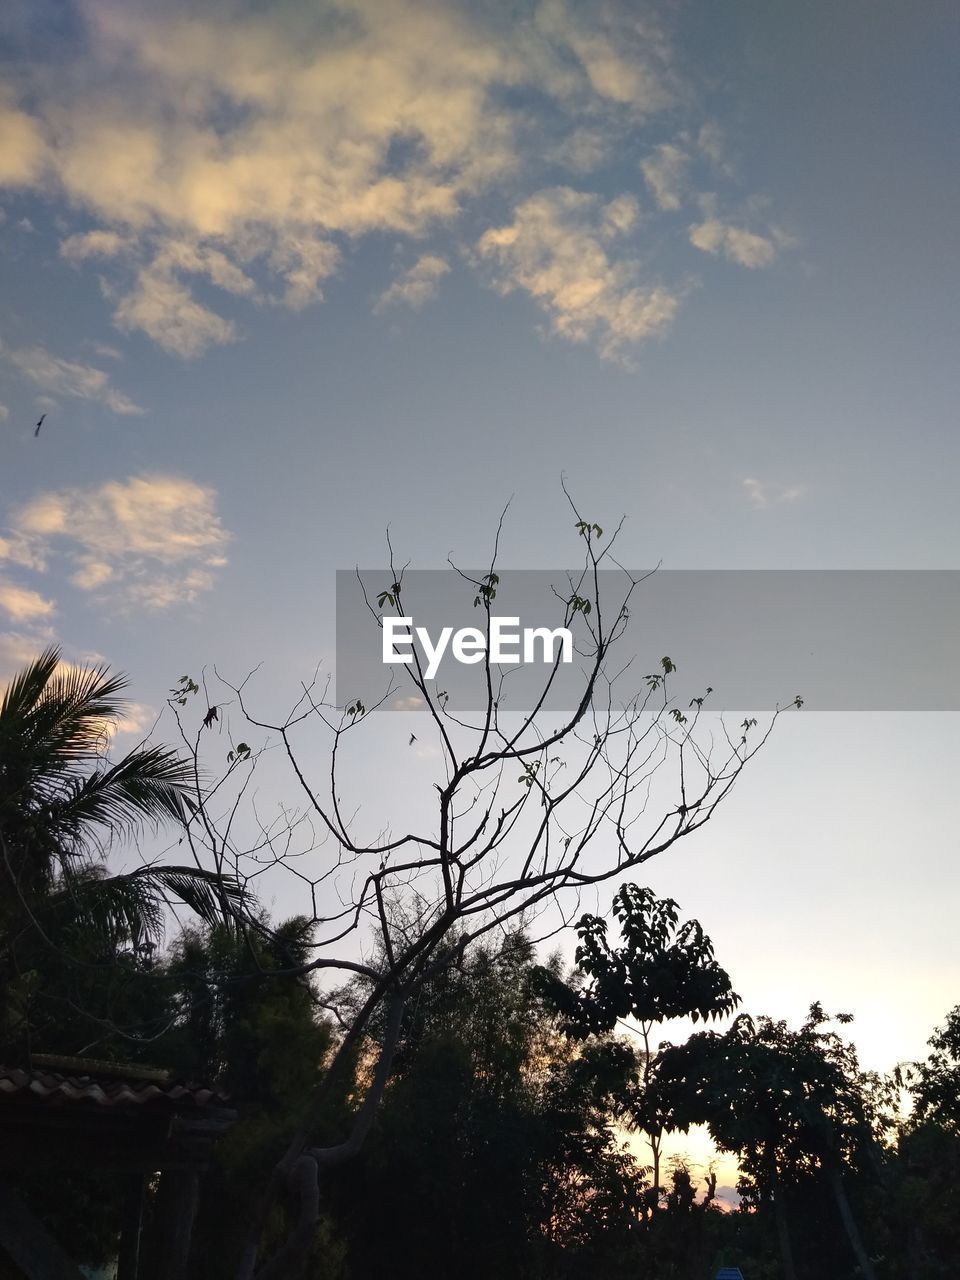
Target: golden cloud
152	541
252	145
558	249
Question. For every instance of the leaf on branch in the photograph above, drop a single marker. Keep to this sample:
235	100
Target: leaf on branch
487	590
184	688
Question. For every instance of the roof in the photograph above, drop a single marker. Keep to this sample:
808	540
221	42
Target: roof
102	1088
84	1114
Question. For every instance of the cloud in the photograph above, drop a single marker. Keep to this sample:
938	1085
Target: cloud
135	721
728	1197
160	304
582	151
267	140
409	702
4	413
20	551
711	144
624	62
762	494
58	377
150	541
163	308
250	147
303	261
23	605
665	173
106	351
746	248
416	286
561	249
22	146
95	244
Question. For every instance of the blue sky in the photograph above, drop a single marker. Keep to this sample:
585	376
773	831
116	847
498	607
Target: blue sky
282	275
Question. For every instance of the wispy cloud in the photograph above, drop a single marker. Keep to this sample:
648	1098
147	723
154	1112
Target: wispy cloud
56	376
163	308
409	702
107	352
416	286
736	244
21	604
562	248
582	151
4	413
711	143
762	493
665	173
96	244
22	551
151	541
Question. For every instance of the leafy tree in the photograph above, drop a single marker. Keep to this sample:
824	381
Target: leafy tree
793	1106
505	1129
661	971
923	1176
245	1019
935	1082
64	919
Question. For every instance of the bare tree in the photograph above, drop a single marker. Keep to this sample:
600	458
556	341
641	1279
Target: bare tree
524	819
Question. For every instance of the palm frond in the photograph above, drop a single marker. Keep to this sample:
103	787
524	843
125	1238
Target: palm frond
146	786
216	899
130	908
55	721
59	711
103	912
62	801
27	686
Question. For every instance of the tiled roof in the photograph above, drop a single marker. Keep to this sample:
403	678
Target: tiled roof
96	1087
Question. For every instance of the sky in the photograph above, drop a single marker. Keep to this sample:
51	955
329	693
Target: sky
280	276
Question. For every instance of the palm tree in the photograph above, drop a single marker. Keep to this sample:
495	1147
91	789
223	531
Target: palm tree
63	803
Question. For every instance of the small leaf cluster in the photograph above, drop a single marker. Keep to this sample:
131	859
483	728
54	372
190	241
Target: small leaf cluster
185	688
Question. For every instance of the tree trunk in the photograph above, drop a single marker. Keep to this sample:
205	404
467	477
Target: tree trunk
131	1226
783	1233
301	1178
177	1207
849	1224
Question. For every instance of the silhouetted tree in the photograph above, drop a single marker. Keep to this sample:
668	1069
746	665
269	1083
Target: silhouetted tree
662	970
792	1105
518	818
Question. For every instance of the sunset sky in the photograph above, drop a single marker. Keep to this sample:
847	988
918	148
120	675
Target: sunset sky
280	275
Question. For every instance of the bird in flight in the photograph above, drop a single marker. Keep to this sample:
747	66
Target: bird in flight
413	738
36	431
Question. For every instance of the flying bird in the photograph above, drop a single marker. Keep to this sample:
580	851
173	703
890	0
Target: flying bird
413	738
36	431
